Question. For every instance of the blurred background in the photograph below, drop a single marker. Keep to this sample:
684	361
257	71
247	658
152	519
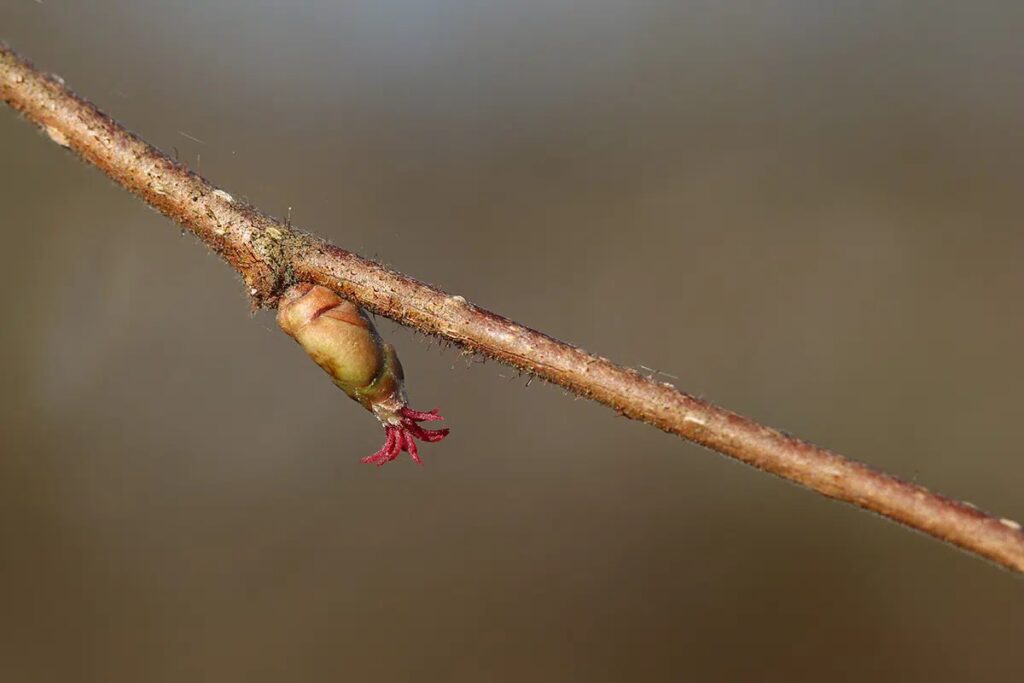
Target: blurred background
807	212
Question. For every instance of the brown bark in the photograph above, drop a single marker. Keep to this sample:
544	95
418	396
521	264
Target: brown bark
271	256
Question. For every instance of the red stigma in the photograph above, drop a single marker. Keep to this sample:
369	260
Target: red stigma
401	437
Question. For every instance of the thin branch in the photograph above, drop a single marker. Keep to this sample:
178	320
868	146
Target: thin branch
270	255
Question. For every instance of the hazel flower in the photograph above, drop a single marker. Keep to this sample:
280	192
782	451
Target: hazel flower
342	340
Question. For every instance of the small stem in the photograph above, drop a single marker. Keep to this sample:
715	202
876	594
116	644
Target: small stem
270	256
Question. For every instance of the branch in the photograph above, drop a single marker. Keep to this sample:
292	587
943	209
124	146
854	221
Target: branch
271	256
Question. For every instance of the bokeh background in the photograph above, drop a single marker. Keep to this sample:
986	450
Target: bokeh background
808	212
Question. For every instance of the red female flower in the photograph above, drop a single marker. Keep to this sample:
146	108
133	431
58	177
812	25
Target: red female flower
340	338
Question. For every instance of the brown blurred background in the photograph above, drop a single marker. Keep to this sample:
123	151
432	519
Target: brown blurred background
807	212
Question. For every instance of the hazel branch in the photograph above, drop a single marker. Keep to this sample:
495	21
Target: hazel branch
271	256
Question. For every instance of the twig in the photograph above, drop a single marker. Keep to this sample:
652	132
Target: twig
270	255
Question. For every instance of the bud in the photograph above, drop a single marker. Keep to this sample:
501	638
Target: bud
340	338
